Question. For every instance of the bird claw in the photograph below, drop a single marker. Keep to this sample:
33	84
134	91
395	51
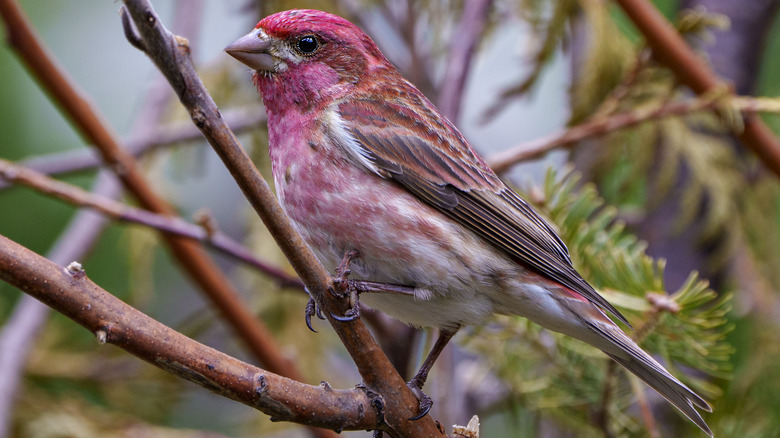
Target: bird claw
425	402
342	288
350	315
312	309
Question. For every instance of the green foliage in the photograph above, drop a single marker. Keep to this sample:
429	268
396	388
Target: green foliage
557	376
691	154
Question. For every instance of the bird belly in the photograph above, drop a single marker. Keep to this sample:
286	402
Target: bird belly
338	207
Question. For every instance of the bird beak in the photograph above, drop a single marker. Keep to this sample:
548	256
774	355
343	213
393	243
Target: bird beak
252	50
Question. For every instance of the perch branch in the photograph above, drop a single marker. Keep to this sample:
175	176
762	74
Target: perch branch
70	292
18	335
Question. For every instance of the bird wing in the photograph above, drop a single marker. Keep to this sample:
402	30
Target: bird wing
412	144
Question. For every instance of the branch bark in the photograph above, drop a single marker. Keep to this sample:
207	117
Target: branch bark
116	210
171	55
671	50
70	292
748	106
90	123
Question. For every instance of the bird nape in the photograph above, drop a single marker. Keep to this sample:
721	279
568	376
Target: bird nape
362	161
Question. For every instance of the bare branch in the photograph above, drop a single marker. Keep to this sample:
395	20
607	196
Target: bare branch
464	42
671	50
116	210
18	335
502	161
70	292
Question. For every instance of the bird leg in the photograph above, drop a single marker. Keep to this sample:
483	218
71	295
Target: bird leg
419	379
343	288
370	287
340	282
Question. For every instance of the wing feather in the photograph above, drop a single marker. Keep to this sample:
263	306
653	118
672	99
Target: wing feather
439	167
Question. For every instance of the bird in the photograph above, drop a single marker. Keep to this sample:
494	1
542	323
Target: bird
364	163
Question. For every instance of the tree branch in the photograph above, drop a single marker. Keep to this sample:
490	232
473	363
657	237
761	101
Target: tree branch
116	210
70	292
671	50
139	143
502	161
18	334
171	55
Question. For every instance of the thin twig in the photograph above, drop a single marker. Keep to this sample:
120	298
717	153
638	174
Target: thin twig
602	415
171	55
502	161
91	124
644	407
415	67
670	49
142	141
611	102
167	224
70	292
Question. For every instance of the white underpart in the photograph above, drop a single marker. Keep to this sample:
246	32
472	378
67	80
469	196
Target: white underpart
340	133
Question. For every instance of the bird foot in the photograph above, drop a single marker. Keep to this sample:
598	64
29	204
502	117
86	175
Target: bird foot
311	310
344	288
425	402
340	281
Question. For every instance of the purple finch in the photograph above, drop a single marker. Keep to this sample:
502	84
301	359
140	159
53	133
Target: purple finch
362	161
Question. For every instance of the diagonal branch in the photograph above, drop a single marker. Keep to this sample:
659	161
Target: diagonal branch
116	210
171	55
502	161
91	124
671	50
70	292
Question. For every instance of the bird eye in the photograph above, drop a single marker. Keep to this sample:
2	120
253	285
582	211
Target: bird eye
308	44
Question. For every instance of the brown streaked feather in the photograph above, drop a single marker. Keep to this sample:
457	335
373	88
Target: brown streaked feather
446	173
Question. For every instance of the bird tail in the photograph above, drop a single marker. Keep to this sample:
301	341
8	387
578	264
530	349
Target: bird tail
628	354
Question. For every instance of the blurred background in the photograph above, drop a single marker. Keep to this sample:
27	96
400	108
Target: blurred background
644	210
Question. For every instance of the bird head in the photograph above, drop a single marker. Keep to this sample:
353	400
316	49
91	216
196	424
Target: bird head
307	42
